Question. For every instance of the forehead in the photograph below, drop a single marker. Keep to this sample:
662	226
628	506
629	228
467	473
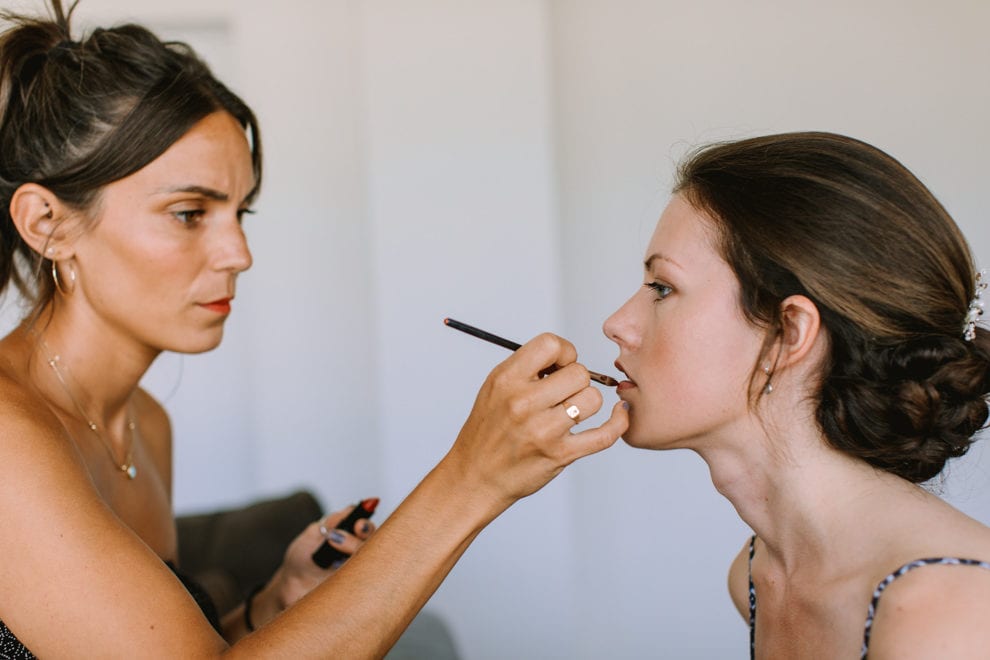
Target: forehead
214	153
685	236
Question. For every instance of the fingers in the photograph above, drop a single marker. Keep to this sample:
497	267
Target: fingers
333	519
565	396
520	432
539	354
582	405
341	540
601	437
364	529
551	361
346	541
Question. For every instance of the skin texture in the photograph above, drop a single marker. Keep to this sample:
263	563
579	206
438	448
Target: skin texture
829	526
158	245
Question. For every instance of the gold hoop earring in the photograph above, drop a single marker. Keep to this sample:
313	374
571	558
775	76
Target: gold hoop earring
58	283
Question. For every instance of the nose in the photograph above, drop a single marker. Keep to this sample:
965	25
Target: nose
231	251
620	327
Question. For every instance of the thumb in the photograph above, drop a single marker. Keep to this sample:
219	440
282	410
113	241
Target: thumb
596	439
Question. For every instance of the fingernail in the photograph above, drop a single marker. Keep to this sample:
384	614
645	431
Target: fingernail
625	405
336	537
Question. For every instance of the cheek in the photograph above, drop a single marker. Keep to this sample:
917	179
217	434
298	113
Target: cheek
691	374
137	276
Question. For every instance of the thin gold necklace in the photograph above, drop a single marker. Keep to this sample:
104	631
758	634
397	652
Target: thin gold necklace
127	467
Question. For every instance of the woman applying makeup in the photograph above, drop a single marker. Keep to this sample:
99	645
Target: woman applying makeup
125	171
807	326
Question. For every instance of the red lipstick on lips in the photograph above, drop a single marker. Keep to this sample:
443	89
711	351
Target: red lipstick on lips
625	384
221	306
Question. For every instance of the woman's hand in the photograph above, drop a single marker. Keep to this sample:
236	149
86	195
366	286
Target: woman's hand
299	574
519	434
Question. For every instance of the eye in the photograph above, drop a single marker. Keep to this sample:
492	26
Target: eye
189	216
661	290
243	212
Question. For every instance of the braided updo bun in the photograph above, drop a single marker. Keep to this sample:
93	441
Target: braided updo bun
846	225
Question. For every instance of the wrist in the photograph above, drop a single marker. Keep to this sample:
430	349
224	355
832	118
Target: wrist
250	613
467	495
263	603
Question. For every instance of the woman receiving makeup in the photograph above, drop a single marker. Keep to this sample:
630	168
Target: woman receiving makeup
125	170
807	324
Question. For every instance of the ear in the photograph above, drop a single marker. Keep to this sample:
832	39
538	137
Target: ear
37	213
800	330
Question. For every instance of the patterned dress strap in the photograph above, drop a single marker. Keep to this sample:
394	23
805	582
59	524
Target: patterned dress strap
752	601
884	583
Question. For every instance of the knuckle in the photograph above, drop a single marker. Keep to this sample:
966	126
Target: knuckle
548	342
499	378
518	407
582	372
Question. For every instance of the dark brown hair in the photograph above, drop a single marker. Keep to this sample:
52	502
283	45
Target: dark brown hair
78	115
848	226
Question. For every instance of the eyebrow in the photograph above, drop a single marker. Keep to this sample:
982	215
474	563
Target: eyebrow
648	264
209	193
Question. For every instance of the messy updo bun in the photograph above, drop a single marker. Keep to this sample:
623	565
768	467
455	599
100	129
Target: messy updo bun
76	115
843	223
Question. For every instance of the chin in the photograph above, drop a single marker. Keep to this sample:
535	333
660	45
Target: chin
641	438
202	344
634	439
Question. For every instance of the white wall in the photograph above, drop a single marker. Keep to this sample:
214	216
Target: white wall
504	161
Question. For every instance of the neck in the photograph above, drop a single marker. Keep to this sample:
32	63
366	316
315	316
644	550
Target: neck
802	498
100	369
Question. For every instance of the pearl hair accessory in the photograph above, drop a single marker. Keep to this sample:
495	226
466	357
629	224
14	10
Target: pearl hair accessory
975	307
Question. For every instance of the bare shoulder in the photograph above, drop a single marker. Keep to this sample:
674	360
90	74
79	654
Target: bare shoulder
30	431
739	580
66	555
934	610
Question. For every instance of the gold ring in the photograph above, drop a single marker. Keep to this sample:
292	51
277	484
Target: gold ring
573	412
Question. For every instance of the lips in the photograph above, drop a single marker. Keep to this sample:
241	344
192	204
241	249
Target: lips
220	306
618	366
626	384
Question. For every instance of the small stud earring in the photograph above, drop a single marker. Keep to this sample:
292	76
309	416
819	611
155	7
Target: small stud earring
768	388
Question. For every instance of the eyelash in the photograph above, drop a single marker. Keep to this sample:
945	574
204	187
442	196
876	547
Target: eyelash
193	216
189	216
661	290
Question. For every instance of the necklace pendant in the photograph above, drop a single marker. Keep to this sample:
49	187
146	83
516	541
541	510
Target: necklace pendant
129	470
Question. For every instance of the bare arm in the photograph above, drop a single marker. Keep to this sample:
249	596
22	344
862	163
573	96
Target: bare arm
516	439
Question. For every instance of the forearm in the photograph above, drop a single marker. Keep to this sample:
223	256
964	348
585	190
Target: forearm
361	611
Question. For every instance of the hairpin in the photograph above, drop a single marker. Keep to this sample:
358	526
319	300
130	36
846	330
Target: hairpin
975	307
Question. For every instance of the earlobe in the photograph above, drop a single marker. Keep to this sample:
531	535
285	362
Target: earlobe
37	214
